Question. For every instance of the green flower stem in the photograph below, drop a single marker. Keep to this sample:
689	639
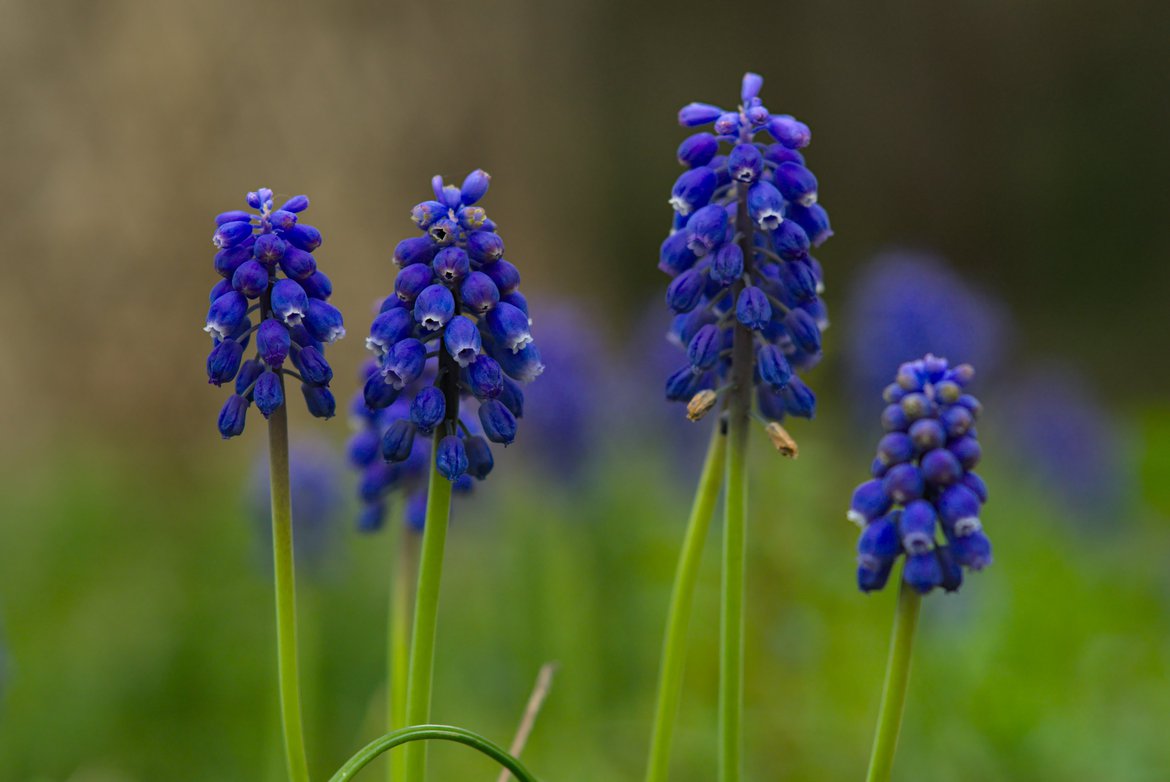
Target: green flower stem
670	672
422	639
885	741
431	732
286	597
398	643
731	616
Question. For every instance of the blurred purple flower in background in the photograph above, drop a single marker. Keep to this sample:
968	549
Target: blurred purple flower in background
1063	439
903	304
315	479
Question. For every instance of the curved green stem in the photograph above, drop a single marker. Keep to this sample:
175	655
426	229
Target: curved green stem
426	606
431	732
286	597
885	741
398	642
670	672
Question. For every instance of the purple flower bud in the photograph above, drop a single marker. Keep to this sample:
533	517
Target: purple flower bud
517	300
419	249
251	279
512	396
249	371
727	124
813	219
752	82
231	417
927	434
228	260
472	218
313	366
479	457
727	266
317	286
796	183
475	186
425	214
324	321
319	400
940	467
304	237
388	328
224	361
462	340
404	363
707	229
282	219
273	341
967	450
398	440
498	422
973	550
693	189
225	314
976	485
869	502
219	289
451	265
922	572
451	457
683	384
504	275
485	378
894	419
269	249
478	293
752	308
958	508
952	572
378	393
508	326
428	409
873	578
745	163
298	264
791	241
789	132
676	255
289	301
231	234
296	204
694	114
773	367
803	330
895	448
485	246
685	291
916	525
765	205
778	153
703	350
412	280
234	216
697	150
444	231
269	393
799	399
434	307
523	365
903	483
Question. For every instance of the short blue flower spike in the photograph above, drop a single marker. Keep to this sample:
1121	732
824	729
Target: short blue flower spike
923	500
294	319
449	344
710	256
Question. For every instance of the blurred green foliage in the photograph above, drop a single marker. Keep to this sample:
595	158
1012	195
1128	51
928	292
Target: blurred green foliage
140	642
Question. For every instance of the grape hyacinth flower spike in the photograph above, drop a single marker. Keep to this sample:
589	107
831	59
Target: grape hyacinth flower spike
452	346
922	506
265	257
745	293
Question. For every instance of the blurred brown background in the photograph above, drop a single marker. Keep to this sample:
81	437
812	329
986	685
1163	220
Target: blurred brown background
1025	141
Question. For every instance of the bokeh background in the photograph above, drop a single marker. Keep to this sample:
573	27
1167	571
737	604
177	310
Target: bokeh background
996	176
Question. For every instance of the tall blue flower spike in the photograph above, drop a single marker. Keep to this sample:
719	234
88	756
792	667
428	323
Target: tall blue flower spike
924	500
707	256
265	259
451	344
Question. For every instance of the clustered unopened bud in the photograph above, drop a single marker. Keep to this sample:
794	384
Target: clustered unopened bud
924	501
772	288
266	261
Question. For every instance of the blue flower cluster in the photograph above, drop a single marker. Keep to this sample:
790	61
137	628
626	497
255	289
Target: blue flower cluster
380	478
457	301
738	252
924	500
296	319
